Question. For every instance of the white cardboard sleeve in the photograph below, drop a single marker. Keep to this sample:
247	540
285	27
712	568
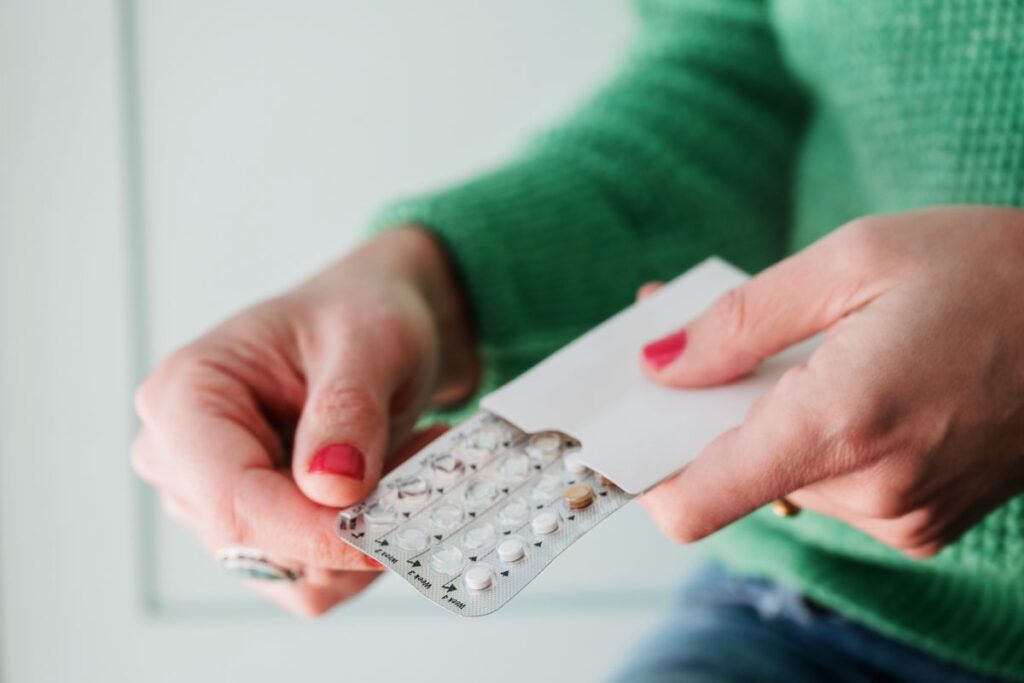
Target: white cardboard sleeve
633	431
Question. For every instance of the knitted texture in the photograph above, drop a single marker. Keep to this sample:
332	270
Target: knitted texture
749	129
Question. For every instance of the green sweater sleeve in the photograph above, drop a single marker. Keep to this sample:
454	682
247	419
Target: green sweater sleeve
686	152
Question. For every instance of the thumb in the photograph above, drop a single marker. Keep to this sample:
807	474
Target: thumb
342	436
783	305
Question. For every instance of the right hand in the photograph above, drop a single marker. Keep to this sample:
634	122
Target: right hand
256	432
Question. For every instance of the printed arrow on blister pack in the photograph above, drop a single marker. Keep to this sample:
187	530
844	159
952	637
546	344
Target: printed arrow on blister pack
415	563
449	587
382	541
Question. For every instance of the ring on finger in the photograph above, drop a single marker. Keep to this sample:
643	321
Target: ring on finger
784	507
250	563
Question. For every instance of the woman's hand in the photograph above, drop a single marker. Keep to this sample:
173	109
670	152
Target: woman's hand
908	420
257	431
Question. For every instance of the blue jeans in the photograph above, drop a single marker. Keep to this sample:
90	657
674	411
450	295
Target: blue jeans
729	629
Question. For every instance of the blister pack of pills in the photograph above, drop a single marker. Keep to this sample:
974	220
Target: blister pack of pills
480	512
475	516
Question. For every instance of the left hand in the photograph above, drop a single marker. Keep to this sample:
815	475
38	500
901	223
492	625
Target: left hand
908	420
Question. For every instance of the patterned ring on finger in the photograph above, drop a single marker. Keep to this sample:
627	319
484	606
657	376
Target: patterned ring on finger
251	563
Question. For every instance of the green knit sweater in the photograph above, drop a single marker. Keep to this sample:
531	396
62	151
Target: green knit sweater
748	129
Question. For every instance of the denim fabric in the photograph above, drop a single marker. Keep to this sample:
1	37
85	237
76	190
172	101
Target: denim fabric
727	629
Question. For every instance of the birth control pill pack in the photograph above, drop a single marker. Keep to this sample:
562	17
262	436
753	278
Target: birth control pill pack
475	516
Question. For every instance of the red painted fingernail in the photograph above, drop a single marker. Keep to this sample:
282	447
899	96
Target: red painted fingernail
340	459
662	352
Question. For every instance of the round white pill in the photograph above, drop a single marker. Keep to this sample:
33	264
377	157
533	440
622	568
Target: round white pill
545	523
478	577
573	465
511	550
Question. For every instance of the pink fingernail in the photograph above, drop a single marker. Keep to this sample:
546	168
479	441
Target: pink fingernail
665	350
340	459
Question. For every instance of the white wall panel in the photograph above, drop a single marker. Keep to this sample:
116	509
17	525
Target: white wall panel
269	132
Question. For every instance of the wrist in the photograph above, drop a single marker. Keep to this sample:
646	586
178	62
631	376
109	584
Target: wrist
414	255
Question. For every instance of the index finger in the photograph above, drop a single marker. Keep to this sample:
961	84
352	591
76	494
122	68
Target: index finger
212	446
272	514
778	449
231	480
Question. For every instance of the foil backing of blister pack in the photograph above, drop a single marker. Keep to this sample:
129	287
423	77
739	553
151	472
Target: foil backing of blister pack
439	518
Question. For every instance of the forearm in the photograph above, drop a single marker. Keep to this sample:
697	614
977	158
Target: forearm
686	152
429	268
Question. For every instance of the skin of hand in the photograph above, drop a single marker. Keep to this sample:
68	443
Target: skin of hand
907	422
257	431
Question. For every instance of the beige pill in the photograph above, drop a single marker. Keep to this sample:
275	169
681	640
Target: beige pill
578	496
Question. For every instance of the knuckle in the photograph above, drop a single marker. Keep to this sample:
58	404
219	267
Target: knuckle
142	466
863	245
728	314
882	502
851	448
228	520
861	239
344	402
177	365
146	396
863	432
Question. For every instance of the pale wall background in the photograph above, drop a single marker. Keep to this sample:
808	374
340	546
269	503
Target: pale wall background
163	164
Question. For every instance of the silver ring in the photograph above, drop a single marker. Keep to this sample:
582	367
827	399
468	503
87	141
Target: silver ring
250	563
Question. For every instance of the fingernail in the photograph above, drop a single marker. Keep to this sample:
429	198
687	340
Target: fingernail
375	563
662	352
340	459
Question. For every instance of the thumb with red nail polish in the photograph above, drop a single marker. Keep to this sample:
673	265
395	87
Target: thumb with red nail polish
341	438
